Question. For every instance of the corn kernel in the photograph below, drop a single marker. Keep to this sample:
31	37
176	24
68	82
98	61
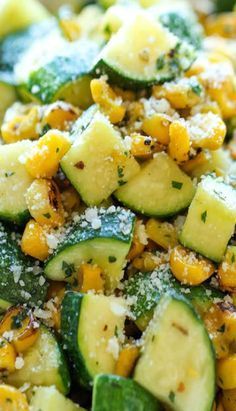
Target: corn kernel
206	131
21	127
226	372
71	28
137	246
34	242
147	262
20	322
214	322
179	145
157	126
190	165
43	159
126	361
59	114
142	146
223	25
7	356
162	233
44	203
227	269
12	399
229	400
106	98
70	199
92	278
188	268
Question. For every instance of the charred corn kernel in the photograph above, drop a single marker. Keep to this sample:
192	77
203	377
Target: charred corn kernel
229	400
43	159
147	262
190	165
227	269
34	241
139	240
70	199
188	268
21	127
44	203
126	361
56	289
206	131
7	356
91	278
58	115
20	321
162	233
215	325
223	25
12	399
71	28
179	144
226	372
142	146
107	99
157	126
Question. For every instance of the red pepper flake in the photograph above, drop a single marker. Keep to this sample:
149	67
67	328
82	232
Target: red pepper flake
181	387
80	165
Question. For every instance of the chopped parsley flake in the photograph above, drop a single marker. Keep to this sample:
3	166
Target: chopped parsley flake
112	259
172	396
9	173
68	269
47	215
120	171
204	216
177	184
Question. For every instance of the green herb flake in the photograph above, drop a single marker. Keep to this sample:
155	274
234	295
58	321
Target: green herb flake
116	331
221	329
204	216
47	215
112	259
160	63
177	184
18	319
107	30
120	171
57	150
233	259
196	88
172	396
45	129
68	269
121	182
9	174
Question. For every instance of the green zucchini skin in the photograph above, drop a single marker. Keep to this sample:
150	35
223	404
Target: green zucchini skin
121	394
147	289
224	5
12	258
13	46
70	313
63	70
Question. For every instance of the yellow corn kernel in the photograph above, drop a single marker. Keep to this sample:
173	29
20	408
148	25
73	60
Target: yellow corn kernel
229	400
188	268
147	262
43	159
137	246
227	269
20	321
34	242
71	28
126	361
70	199
12	399
106	98
157	126
223	25
226	372
7	356
59	114
142	146
56	290
179	144
206	131
190	165
92	278
162	233
214	322
22	127
44	203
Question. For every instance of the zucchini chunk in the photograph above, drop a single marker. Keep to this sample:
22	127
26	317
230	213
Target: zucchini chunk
44	364
115	393
14	181
15	14
8	97
211	219
64	77
50	399
101	237
144	291
90	327
177	363
160	189
143	53
98	162
20	276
